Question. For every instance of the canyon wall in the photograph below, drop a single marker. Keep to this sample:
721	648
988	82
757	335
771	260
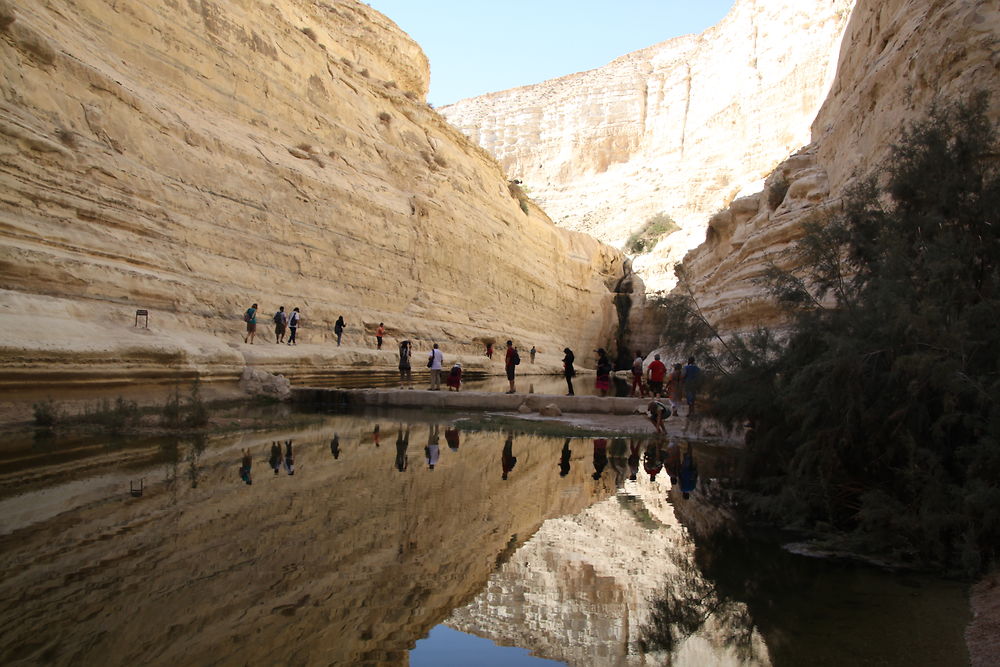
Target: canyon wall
348	562
678	128
193	157
897	59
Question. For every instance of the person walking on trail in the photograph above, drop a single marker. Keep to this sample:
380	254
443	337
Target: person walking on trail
603	381
510	362
378	335
338	328
637	375
250	317
568	370
405	371
435	362
293	325
280	320
692	378
533	352
656	372
489	350
675	388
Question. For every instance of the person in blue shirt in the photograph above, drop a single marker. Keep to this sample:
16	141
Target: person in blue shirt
692	378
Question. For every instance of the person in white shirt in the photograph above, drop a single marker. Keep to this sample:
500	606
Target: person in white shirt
435	362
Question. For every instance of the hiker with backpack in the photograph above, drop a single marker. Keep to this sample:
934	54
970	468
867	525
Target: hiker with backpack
293	325
280	320
510	361
250	317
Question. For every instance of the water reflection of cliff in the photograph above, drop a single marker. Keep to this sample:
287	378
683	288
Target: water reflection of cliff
589	589
349	561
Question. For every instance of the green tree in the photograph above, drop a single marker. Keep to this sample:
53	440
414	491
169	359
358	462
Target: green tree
879	415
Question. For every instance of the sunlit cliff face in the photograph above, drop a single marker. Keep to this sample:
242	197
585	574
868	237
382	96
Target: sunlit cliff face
192	158
678	128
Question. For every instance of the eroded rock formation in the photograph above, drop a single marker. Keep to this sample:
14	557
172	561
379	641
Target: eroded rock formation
346	562
679	128
191	158
897	58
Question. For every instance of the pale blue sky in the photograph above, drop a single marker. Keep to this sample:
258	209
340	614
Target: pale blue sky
480	46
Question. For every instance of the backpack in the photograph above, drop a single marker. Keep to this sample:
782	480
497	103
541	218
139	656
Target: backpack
277	317
516	359
246	316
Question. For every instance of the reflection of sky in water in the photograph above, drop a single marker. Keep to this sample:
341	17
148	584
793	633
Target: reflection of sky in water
358	556
445	647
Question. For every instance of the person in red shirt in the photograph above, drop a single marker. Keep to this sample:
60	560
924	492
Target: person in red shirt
510	361
379	333
656	372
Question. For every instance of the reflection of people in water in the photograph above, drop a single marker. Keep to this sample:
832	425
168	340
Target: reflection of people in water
335	446
633	459
651	462
451	437
619	461
289	458
600	456
433	450
672	461
402	442
275	459
376	435
564	459
689	473
245	464
507	459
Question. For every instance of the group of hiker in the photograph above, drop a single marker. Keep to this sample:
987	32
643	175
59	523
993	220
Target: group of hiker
624	460
676	385
284	323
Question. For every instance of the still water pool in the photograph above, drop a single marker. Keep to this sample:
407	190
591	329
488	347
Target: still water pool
395	538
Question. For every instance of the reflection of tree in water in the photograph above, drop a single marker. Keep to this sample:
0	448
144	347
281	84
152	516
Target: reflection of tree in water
691	602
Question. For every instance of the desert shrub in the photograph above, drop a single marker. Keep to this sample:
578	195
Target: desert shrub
47	413
114	416
878	414
384	117
650	233
197	411
171	414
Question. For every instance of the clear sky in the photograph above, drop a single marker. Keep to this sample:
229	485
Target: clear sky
482	46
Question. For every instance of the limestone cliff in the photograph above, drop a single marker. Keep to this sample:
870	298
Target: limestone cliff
679	128
193	157
897	57
348	562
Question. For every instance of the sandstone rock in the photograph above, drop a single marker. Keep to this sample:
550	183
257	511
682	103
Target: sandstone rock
680	127
257	382
193	158
524	408
897	57
550	410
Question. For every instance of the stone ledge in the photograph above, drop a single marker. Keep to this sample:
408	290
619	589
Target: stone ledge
466	400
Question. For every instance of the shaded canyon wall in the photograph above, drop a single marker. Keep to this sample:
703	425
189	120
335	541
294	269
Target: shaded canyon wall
897	58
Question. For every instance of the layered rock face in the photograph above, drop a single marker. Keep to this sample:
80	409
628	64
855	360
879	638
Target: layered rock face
191	158
348	561
677	128
898	57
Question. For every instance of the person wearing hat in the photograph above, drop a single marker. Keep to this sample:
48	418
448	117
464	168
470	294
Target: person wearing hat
454	380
